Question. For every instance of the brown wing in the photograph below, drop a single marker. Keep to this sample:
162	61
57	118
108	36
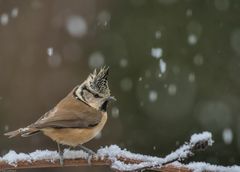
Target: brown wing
70	113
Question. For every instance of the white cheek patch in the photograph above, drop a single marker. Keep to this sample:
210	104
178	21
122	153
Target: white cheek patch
78	92
87	95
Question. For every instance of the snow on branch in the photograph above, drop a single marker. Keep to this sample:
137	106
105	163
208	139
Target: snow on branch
116	158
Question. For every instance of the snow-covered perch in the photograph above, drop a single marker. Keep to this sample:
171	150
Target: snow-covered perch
114	157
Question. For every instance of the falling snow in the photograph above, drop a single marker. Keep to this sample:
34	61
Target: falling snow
163	66
227	136
156	52
76	26
115	112
14	12
189	12
192	39
103	18
198	60
96	60
158	34
153	95
172	89
191	77
123	62
4	19
50	51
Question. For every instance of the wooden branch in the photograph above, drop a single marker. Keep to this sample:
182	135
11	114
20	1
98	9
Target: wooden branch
83	162
112	156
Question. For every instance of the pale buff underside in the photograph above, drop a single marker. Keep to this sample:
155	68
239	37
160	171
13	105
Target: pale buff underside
74	136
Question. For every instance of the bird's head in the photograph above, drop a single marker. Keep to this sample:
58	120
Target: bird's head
95	90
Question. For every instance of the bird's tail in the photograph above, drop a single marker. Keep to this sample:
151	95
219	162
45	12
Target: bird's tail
24	132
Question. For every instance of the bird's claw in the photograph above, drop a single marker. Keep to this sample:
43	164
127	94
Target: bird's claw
90	156
61	160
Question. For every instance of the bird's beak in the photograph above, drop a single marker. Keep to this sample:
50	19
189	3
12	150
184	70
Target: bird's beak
111	98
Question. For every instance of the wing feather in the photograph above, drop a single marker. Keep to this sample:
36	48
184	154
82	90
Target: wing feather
70	113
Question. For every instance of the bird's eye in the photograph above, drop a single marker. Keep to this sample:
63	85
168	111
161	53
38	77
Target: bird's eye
96	96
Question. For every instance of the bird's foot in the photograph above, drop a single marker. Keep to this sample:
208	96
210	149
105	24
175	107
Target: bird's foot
60	154
61	160
91	153
89	159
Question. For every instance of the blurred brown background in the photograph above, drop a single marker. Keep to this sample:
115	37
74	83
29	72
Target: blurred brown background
175	70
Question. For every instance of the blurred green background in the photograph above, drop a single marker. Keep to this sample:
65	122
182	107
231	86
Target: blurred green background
175	70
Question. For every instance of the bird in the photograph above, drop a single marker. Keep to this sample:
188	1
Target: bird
78	117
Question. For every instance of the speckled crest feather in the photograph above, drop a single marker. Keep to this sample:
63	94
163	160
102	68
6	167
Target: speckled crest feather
98	81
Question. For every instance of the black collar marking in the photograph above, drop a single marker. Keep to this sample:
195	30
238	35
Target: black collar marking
76	97
104	106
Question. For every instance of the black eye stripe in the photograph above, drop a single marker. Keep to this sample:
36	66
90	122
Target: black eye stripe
94	94
97	96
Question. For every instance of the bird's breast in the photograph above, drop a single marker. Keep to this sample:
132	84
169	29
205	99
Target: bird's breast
75	136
